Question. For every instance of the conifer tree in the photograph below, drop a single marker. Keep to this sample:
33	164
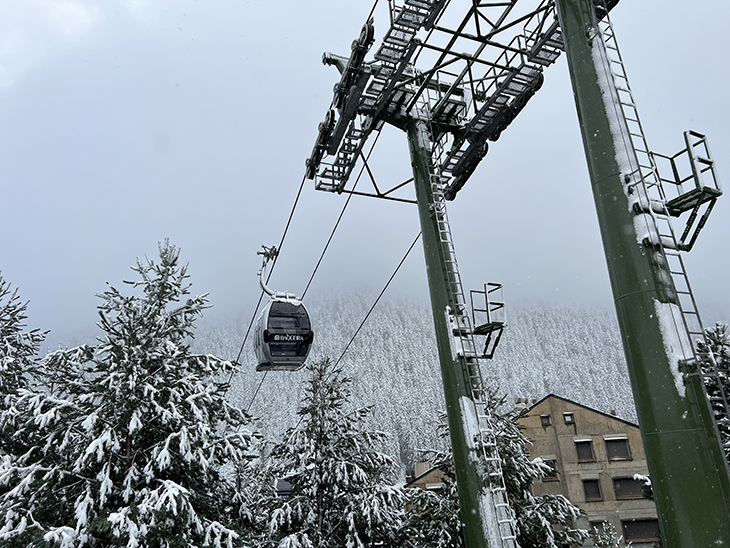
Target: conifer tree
130	442
433	520
715	361
18	347
605	536
18	361
542	522
341	493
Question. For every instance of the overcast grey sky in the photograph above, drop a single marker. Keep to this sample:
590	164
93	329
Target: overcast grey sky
125	122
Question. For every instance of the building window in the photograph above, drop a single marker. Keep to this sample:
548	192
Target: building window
284	489
641	530
584	449
592	490
617	448
627	488
545	420
552	475
568	418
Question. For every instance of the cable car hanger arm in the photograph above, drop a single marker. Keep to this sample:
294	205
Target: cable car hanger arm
271	253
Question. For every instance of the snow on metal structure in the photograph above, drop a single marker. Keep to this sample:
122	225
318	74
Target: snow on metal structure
485	510
453	75
471	66
656	309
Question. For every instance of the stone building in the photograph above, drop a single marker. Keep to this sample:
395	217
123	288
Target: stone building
595	457
425	477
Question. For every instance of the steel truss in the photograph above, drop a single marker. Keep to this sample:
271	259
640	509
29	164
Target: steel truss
469	68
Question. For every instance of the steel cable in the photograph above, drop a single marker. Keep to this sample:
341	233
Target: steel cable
365	319
321	257
316	268
271	270
357	331
337	223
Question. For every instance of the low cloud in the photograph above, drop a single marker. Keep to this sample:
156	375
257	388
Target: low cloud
33	32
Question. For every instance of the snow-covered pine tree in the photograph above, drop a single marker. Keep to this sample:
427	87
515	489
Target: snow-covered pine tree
715	360
605	536
433	518
341	483
18	360
542	522
646	488
131	444
18	347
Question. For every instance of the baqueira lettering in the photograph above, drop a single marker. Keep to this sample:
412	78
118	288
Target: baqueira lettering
288	338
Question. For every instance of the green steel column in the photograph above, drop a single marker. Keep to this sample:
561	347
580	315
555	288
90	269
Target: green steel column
477	533
688	472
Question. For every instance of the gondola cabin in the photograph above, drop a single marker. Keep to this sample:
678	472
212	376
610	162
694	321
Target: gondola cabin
283	335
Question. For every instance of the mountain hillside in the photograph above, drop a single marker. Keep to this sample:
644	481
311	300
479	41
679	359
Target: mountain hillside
572	351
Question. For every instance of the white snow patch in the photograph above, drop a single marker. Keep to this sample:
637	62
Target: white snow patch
134	423
620	132
64	536
424	143
643	224
453	344
487	508
489	518
676	341
626	160
471	422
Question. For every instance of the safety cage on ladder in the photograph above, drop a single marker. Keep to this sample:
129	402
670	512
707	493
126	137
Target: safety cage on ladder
690	183
489	316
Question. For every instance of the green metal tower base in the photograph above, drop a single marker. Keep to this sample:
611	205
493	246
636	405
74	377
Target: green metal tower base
685	459
486	516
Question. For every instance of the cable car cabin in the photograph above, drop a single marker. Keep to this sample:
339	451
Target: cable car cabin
283	335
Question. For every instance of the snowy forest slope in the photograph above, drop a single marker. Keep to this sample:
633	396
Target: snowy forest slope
572	351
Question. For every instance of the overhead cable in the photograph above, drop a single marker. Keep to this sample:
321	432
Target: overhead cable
268	277
337	223
357	331
365	319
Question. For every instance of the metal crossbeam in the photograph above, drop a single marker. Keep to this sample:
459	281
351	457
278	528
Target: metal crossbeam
471	68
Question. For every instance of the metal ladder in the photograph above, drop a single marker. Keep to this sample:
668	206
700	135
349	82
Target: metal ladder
647	183
469	359
393	56
491	319
397	47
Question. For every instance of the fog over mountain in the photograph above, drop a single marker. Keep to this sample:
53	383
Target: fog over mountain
570	350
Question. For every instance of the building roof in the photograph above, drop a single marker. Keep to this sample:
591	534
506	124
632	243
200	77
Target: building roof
422	476
584	407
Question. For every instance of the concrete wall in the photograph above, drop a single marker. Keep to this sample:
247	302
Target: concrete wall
557	441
